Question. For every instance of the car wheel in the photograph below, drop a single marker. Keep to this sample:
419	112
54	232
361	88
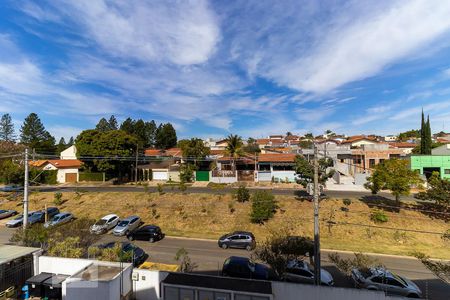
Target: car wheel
224	246
248	248
151	240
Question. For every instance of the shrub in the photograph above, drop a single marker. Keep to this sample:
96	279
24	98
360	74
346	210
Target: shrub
160	188
242	194
57	198
347	202
378	216
446	235
360	261
263	207
187	172
231	207
182	187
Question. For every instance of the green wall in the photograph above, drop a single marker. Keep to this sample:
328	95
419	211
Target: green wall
418	162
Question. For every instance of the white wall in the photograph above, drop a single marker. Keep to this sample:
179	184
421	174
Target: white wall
291	291
282	175
61	175
147	286
69	153
222	179
60	265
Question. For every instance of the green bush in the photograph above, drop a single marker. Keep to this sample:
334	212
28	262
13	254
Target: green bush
87	176
160	188
347	202
263	207
57	198
242	194
378	216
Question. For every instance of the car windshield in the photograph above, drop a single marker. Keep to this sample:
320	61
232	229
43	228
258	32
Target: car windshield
128	247
123	223
18	217
100	222
56	218
400	279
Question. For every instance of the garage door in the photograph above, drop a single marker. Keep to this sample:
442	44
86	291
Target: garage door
71	177
160	175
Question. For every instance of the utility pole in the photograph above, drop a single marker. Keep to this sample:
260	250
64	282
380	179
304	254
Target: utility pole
316	220
136	166
25	192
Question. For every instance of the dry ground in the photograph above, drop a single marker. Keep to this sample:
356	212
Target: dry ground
209	216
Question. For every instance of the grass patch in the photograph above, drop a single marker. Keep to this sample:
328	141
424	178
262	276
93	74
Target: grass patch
208	216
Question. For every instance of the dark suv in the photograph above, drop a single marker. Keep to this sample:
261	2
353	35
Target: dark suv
243	267
149	233
238	239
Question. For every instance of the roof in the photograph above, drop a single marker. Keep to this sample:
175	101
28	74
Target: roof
282	157
55	281
216	152
153	152
221	283
176	152
291	137
357	138
262	141
403	145
65	163
107	217
39	278
11	252
37	163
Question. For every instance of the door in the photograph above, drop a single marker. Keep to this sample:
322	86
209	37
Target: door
71	177
202	175
234	241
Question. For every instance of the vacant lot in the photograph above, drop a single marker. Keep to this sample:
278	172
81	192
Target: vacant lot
209	216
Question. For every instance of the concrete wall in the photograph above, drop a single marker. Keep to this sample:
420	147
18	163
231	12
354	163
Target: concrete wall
222	179
69	153
59	265
174	175
283	175
292	291
61	175
264	176
419	162
146	284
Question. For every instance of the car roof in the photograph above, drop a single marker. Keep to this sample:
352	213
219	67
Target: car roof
150	227
107	217
61	214
242	232
129	218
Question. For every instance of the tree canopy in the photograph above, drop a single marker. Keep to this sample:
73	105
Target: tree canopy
404	136
144	131
305	170
425	136
61	145
194	150
438	190
166	136
394	175
7	132
34	135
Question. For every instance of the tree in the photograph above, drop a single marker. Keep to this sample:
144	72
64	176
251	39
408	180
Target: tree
438	190
242	194
394	175
280	248
251	147
34	135
413	133
166	136
309	136
68	247
305	170
288	133
194	150
113	144
70	143
113	123
128	125
61	145
425	136
360	261
7	129
143	131
234	147
186	265
263	207
187	172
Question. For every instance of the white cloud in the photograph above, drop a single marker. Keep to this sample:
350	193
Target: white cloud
64	131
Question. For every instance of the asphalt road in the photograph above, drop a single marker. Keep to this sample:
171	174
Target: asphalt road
209	258
207	190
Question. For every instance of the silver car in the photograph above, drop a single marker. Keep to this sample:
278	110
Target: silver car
104	224
381	279
7	213
301	271
17	221
127	225
59	219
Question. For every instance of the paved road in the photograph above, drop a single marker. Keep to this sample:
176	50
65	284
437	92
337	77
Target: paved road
207	190
210	257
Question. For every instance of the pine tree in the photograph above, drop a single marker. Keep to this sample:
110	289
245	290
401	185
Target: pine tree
61	145
422	135
7	129
113	125
428	141
34	135
166	136
70	143
102	125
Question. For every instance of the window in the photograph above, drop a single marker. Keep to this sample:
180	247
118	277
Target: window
377	279
371	163
394	282
381	160
447	171
234	237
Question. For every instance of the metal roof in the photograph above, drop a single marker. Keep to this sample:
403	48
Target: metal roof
11	252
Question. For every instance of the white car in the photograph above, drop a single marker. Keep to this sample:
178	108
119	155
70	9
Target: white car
127	225
18	221
104	224
59	219
301	271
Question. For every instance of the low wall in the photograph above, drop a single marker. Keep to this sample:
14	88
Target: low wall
146	284
283	176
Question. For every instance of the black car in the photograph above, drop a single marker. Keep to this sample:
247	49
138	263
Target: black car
238	239
51	212
243	267
149	233
137	257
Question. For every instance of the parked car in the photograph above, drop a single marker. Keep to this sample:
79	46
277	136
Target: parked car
17	221
149	233
301	271
7	213
59	219
104	224
36	217
243	267
12	188
383	280
137	255
51	212
127	225
238	239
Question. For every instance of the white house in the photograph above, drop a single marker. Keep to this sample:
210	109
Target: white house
69	153
67	169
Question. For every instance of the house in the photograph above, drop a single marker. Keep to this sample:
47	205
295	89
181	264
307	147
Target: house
69	153
163	165
438	161
405	146
215	144
67	169
390	138
360	140
277	167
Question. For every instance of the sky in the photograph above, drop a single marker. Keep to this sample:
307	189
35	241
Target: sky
212	68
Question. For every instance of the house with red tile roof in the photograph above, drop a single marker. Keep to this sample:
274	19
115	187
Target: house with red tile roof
276	167
67	169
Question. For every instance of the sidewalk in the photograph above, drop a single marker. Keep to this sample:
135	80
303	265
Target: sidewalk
345	187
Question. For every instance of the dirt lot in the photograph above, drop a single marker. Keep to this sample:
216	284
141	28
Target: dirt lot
209	216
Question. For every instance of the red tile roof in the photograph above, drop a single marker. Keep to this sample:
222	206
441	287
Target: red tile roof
176	152
357	138
282	157
403	145
262	141
153	152
37	163
217	152
65	163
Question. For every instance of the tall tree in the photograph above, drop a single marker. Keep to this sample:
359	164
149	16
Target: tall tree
428	141
61	145
150	133
128	126
102	125
234	147
144	131
113	125
422	134
7	129
194	150
166	136
394	175
70	143
305	170
34	135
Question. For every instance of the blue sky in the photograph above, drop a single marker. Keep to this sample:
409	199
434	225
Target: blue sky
217	67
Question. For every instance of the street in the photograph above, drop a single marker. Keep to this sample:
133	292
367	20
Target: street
209	258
